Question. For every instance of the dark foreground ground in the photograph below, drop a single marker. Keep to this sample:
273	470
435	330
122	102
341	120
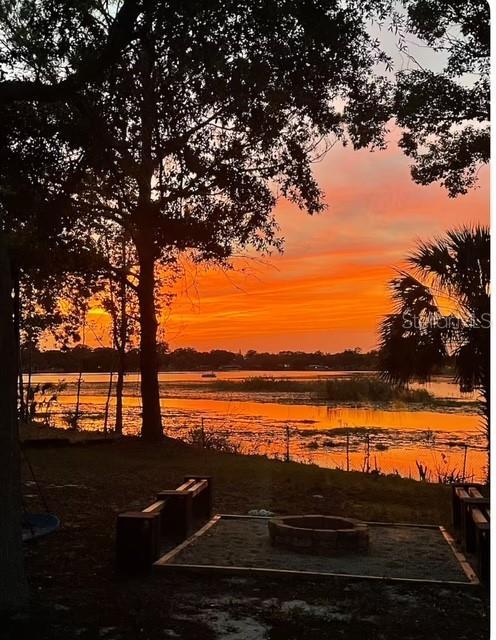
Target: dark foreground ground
76	594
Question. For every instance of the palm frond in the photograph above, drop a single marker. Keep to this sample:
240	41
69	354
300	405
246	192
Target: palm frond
458	264
409	351
419	337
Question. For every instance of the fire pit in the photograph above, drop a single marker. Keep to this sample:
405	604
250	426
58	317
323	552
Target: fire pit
321	535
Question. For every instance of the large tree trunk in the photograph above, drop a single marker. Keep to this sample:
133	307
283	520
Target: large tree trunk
17	328
13	585
151	428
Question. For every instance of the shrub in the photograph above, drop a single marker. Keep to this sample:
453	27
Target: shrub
205	439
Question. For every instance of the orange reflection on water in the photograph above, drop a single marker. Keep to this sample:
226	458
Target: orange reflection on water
404	419
310	416
439	464
398	438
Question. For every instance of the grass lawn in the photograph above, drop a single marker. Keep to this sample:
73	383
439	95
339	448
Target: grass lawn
77	595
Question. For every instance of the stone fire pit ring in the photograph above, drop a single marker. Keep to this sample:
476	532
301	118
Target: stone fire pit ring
319	535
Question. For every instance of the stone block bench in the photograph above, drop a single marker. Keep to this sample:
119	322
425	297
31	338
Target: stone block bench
174	515
471	521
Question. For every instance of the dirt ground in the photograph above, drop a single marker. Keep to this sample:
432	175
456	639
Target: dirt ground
194	608
77	594
398	552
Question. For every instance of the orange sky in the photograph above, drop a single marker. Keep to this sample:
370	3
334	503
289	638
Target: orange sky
329	289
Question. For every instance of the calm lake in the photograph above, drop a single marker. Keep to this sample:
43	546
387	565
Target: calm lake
391	438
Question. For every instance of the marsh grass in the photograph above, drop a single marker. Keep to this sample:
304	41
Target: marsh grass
374	390
353	389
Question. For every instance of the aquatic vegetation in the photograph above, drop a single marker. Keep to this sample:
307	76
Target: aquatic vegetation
352	389
313	445
363	389
256	423
358	431
39	401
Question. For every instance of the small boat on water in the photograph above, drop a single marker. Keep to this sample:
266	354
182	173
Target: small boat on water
209	374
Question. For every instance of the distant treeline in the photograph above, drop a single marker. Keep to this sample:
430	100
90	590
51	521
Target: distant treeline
185	359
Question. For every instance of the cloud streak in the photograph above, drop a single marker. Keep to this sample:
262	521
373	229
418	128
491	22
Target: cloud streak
329	289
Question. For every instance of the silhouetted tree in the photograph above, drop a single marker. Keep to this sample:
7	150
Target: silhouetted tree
445	114
211	112
118	298
183	359
442	310
54	265
13	585
40	39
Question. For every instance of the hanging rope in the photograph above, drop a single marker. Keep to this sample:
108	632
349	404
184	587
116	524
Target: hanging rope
40	491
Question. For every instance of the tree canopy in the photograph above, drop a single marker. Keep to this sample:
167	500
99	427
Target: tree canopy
211	114
179	124
201	115
445	115
51	50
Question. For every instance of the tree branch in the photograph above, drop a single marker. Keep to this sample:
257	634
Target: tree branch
120	35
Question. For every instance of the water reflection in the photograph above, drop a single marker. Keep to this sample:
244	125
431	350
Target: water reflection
390	440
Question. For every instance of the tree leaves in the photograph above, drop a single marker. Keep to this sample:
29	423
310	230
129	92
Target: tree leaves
442	310
446	114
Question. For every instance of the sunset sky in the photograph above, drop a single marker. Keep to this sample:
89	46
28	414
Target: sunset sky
329	289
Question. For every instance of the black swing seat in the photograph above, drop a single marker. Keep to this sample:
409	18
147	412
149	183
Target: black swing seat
37	525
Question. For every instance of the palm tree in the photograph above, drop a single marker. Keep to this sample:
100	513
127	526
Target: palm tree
442	313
